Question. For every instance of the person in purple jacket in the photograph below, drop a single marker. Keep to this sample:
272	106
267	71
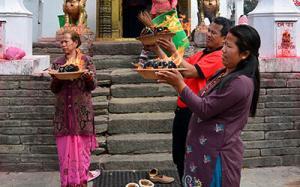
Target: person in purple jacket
214	149
74	127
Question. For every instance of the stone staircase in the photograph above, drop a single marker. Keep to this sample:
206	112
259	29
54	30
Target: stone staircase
139	120
133	115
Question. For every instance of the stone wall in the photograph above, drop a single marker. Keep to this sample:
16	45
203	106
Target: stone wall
26	140
272	138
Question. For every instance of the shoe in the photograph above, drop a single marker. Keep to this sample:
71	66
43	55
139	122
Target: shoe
153	172
132	184
93	174
155	177
162	179
145	183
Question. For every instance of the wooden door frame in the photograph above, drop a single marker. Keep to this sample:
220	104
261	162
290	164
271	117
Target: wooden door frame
116	19
116	22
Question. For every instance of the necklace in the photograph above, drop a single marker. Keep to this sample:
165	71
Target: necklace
212	84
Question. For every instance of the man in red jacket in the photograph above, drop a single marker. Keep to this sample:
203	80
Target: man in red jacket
200	67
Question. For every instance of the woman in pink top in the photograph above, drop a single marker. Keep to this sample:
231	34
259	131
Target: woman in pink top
162	6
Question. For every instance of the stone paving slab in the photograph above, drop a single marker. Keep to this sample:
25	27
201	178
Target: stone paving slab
257	177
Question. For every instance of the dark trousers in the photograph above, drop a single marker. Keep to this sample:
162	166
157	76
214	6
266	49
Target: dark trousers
180	128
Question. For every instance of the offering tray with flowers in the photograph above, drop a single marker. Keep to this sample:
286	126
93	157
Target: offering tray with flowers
148	69
73	69
151	33
67	72
150	36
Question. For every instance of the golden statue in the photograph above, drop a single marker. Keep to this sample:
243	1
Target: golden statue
76	20
75	13
208	8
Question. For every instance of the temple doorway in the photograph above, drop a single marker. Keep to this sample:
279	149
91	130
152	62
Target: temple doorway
131	25
117	19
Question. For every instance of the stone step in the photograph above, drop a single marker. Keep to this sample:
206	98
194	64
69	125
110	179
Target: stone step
27	108
103	74
117	47
101	123
101	112
101	149
100	91
104	77
139	143
27	116
100	102
31	101
100	99
100	105
127	76
142	90
142	104
26	123
18	93
115	61
104	83
140	122
99	48
134	162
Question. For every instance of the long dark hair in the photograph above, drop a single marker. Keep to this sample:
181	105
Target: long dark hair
248	39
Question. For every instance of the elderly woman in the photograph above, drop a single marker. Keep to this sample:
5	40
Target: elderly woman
74	117
214	149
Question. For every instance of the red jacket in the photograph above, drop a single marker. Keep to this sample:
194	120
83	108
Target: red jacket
207	64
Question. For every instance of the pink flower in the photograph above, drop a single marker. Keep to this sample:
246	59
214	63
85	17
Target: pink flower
243	20
14	53
161	6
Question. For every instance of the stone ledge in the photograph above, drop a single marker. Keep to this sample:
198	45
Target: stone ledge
27	66
289	65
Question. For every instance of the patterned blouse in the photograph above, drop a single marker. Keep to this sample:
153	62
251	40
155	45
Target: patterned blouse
214	130
74	113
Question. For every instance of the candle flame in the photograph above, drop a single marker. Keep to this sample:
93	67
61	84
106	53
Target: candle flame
77	61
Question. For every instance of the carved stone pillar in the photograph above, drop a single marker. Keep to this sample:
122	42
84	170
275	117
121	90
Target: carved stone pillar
278	23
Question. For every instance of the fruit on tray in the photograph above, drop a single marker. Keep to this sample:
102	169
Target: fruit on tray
158	64
68	68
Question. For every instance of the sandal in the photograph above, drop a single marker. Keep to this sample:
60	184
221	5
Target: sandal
153	172
155	177
162	179
132	184
93	174
145	183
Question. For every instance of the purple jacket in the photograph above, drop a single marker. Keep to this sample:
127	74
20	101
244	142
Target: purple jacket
214	129
74	113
